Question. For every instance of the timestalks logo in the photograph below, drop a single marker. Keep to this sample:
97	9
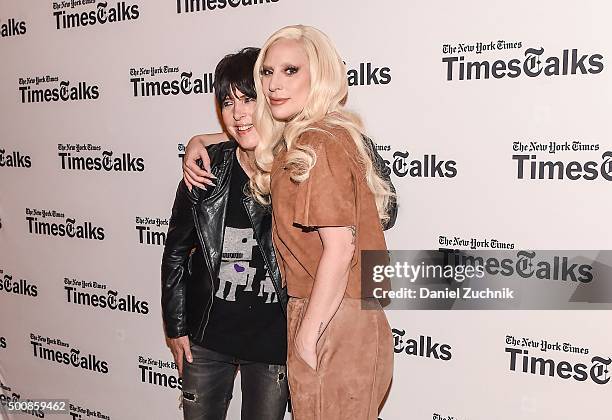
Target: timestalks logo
526	265
68	228
12	27
151	373
597	370
18	287
366	74
123	162
67	356
101	15
423	346
436	416
15	397
529	167
78	413
533	65
14	159
187	84
425	167
190	6
109	300
63	92
148	236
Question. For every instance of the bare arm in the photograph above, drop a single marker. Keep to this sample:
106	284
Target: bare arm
196	149
328	289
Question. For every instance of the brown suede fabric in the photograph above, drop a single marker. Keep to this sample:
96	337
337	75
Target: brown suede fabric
335	194
355	352
354	364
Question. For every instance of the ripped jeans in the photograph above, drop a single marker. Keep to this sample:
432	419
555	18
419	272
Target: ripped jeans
209	380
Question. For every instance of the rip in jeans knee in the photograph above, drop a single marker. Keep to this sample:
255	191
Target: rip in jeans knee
190	397
281	375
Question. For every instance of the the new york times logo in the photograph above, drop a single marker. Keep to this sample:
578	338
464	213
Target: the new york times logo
14	159
526	266
12	285
89	293
151	372
12	27
61	91
473	243
68	228
14	397
66	355
534	64
530	167
190	6
78	413
428	166
104	160
596	369
423	346
147	234
545	345
2	342
183	83
102	14
554	146
366	74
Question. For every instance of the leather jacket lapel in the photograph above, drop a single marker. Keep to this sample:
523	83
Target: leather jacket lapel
261	220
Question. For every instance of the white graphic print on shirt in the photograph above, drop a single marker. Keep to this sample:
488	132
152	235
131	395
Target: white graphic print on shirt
235	267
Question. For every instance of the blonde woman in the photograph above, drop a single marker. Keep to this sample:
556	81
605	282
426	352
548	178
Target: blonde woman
328	202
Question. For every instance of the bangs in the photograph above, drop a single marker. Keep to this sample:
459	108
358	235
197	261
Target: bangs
235	73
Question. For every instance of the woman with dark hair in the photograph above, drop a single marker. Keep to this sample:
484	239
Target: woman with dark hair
222	300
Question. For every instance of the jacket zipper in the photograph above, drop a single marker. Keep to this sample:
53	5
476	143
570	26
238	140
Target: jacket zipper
206	256
212	284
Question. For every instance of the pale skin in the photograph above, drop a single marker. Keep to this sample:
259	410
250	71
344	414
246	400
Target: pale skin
192	174
236	112
286	81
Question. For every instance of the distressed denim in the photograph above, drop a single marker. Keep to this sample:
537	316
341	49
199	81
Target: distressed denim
209	380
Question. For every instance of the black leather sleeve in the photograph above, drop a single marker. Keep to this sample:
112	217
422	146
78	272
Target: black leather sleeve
385	173
180	239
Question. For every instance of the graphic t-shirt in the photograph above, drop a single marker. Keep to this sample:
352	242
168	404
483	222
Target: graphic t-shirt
246	319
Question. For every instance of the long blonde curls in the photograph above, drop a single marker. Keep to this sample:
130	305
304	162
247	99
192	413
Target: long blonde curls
325	104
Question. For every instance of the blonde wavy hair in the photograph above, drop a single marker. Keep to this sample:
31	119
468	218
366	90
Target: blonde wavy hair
324	105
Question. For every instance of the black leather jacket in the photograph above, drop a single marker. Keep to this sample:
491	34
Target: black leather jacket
194	245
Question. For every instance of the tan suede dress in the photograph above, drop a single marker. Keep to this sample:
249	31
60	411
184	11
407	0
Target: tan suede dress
355	352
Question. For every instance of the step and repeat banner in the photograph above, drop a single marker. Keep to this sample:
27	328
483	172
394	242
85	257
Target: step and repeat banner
494	119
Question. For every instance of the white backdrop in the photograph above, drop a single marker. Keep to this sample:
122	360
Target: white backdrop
397	54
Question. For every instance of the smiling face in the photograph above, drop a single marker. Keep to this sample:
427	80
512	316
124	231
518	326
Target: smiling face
237	114
285	76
